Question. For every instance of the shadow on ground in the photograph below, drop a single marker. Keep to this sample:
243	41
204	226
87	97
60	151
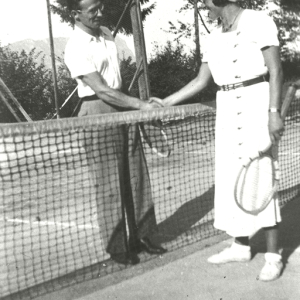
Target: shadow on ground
289	231
185	217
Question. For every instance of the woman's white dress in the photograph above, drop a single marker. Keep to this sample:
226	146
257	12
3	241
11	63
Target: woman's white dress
242	115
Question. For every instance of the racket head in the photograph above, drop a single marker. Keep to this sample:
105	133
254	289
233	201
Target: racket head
156	138
256	184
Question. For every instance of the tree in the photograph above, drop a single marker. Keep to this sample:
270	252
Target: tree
170	69
284	12
127	69
286	16
29	82
113	11
66	86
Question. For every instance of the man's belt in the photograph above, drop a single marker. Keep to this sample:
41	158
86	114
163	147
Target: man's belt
245	83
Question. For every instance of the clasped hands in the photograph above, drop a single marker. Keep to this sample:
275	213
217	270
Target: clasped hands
157	101
153	102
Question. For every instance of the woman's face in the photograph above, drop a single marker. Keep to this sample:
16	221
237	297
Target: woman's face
214	12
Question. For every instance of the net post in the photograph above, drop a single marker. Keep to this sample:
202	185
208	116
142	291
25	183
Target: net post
53	60
140	49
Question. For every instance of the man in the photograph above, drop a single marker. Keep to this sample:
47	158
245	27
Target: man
92	59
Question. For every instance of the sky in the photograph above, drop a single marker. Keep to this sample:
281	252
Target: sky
28	20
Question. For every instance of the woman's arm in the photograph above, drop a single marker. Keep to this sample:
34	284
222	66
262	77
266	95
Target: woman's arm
191	89
273	63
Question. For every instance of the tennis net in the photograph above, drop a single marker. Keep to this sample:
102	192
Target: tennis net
60	185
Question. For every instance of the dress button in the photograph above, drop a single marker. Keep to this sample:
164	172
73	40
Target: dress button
239	128
237	76
234	61
235	45
239	113
238	97
238	33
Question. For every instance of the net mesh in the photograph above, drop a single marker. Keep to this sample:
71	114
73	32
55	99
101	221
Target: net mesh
60	192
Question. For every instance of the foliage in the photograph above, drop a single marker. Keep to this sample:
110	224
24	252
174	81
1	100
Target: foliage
112	13
66	86
29	82
284	12
170	69
287	19
32	85
127	69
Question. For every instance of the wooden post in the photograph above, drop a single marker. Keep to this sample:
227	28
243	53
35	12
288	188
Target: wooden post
140	49
9	107
197	37
53	60
13	98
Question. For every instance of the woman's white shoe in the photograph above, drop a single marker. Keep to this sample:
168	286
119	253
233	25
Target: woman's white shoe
236	253
272	268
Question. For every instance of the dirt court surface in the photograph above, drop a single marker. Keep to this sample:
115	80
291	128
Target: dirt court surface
185	274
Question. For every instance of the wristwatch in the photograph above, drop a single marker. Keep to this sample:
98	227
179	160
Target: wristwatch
274	109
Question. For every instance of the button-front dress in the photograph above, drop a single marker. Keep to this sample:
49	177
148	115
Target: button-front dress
242	115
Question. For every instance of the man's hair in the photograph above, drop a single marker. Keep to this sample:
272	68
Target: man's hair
73	5
221	3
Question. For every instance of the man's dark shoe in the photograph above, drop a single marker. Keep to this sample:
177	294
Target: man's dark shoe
125	258
145	244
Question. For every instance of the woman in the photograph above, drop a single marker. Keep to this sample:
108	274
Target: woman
240	52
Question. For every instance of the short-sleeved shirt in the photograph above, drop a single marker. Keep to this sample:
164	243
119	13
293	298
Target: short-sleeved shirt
86	54
237	55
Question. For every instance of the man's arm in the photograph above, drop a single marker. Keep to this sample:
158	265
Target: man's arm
273	63
191	89
111	96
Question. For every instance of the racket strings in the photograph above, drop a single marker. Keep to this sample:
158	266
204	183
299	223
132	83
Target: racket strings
156	137
256	184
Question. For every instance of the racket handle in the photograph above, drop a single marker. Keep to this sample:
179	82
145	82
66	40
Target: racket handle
289	96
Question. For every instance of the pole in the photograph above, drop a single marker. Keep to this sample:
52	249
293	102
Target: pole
9	107
53	59
140	51
13	98
197	37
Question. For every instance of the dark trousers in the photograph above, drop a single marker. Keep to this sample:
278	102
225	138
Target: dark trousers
119	174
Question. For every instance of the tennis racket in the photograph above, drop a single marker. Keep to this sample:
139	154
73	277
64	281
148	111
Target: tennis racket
155	136
257	182
258	178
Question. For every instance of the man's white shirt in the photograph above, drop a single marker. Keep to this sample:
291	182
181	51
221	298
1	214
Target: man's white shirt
86	54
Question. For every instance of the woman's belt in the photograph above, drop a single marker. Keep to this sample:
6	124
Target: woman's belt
90	98
234	86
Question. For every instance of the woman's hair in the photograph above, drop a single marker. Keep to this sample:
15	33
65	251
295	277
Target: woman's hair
221	2
73	5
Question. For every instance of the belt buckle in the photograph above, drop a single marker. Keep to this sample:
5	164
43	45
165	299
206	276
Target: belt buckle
226	87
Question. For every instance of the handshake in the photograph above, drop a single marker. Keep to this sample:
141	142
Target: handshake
153	102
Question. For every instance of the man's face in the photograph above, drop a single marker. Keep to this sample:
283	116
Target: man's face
90	13
213	11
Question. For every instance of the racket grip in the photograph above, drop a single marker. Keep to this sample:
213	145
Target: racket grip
289	96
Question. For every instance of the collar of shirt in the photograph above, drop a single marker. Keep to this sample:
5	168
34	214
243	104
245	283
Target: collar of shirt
86	37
